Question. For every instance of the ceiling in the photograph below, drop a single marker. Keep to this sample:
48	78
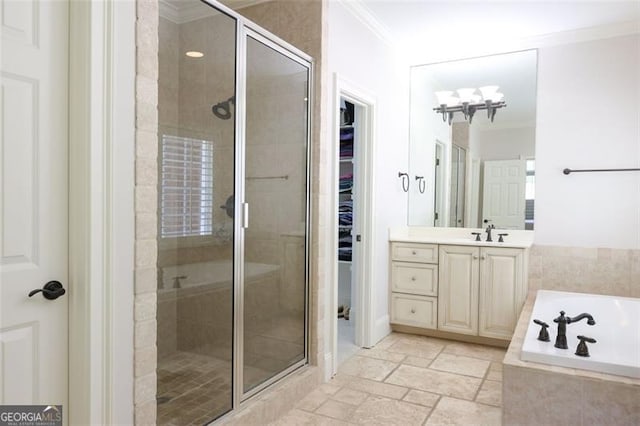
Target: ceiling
472	25
434	32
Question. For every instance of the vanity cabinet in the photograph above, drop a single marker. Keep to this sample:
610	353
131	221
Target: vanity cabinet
481	290
461	289
414	284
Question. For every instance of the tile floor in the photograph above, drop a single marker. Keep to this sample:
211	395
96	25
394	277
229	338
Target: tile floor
346	338
409	380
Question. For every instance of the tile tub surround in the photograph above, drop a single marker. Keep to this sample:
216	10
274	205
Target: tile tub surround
409	380
614	272
543	394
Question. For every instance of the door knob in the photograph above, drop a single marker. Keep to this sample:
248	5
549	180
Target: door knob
51	290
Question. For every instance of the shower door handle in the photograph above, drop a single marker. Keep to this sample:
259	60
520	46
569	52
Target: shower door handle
245	215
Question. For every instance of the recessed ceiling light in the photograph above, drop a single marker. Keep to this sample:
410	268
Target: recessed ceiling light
194	54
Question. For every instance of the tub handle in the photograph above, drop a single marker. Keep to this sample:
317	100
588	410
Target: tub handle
543	336
582	349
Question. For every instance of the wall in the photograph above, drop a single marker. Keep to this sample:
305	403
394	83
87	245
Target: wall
508	143
588	117
358	56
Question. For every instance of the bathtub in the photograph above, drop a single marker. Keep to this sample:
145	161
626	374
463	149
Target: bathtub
209	276
617	332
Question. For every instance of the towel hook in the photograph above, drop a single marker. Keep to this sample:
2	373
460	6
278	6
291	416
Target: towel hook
422	184
405	181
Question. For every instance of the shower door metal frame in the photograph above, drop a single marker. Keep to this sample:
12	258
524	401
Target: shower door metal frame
244	29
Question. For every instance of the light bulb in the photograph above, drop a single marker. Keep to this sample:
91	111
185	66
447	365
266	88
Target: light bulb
489	92
194	54
443	96
453	101
476	98
465	94
498	97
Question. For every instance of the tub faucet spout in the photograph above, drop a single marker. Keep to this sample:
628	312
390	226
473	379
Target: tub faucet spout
562	321
583	315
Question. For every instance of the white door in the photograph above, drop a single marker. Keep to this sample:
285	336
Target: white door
33	201
503	198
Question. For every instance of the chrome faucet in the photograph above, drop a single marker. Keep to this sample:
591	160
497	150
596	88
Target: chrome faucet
488	231
562	321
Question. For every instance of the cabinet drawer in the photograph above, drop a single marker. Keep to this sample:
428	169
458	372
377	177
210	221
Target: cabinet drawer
408	252
416	311
415	278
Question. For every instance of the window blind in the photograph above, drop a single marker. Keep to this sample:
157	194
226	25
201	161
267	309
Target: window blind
186	205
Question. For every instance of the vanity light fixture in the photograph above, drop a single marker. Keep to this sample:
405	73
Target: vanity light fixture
194	54
468	102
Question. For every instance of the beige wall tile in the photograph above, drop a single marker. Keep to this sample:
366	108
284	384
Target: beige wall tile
145	361
145	280
145	306
144	388
145	334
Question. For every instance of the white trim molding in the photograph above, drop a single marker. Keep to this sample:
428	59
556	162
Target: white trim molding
363	14
101	211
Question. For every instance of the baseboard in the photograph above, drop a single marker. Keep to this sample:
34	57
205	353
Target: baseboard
382	328
328	366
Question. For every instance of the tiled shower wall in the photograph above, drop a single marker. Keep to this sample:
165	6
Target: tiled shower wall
585	270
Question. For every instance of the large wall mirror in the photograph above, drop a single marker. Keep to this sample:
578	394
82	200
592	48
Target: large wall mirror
474	164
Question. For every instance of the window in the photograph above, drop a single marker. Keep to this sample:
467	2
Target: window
186	203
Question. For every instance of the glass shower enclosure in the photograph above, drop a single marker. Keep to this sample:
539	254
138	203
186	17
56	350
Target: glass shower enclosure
233	211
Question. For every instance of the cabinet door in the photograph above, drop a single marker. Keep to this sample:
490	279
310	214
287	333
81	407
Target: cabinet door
458	292
502	288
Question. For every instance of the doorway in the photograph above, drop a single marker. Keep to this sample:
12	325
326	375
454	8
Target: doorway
350	300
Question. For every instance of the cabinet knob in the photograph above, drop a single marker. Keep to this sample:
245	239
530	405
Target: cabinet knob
413	310
413	252
413	278
475	257
482	257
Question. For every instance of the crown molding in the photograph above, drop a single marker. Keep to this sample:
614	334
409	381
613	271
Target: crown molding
362	13
617	29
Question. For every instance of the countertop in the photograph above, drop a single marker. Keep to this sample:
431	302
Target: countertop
460	236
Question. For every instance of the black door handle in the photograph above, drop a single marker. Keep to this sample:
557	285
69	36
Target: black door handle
51	290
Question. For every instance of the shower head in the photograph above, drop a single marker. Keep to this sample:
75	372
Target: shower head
223	109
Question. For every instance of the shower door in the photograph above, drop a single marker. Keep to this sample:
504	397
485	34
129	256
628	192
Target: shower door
275	193
233	123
